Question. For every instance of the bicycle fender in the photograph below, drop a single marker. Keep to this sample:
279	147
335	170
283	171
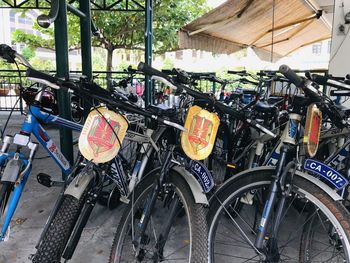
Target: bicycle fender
12	171
198	194
331	192
78	185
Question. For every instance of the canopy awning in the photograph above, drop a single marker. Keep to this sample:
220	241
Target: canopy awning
238	24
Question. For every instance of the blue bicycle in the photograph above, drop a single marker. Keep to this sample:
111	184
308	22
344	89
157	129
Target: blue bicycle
16	165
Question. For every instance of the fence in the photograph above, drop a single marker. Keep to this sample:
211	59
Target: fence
10	82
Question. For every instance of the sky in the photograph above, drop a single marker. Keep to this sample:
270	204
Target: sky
215	3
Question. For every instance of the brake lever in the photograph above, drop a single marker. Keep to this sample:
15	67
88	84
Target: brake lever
7	53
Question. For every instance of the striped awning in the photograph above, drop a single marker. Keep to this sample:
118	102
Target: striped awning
238	24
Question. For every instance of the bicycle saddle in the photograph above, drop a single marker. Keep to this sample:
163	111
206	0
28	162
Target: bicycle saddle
263	107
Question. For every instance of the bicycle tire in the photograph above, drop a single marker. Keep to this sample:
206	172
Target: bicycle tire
195	214
54	241
5	193
335	212
5	189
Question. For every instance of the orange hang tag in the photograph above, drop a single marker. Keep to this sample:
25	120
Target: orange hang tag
97	141
312	132
202	127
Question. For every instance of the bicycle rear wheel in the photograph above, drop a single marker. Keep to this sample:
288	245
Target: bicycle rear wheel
314	228
187	240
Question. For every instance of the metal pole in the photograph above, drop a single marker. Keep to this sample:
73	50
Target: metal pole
62	67
85	36
148	50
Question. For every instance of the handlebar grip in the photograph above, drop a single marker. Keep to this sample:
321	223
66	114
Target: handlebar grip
7	53
237	72
32	73
46	20
148	70
291	75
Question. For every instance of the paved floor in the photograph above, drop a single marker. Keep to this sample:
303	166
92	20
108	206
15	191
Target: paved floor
35	206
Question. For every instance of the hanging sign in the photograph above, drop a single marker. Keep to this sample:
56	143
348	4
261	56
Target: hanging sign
202	126
312	132
102	134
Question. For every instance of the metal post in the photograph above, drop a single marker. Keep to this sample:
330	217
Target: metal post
214	86
62	67
148	50
85	36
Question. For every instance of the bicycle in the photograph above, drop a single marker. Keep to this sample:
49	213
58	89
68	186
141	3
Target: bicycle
284	209
182	190
16	166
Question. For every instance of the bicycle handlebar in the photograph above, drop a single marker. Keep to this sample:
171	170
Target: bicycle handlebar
199	95
7	53
291	75
94	91
329	81
239	72
311	91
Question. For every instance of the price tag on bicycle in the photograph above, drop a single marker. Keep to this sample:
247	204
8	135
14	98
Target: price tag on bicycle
202	127
102	135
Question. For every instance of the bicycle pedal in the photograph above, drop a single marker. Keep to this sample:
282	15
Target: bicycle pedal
45	180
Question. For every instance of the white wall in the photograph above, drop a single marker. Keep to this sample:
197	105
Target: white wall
339	64
5	34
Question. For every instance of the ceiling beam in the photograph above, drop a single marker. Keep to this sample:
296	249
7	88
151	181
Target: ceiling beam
300	28
306	44
315	16
315	6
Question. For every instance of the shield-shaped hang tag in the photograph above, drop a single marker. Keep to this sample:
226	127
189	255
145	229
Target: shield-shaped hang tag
202	126
312	131
102	134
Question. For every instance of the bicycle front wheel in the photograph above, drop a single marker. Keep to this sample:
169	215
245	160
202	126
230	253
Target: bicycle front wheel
313	228
185	241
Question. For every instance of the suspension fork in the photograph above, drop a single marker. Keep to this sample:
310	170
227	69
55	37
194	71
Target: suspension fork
146	215
271	200
163	237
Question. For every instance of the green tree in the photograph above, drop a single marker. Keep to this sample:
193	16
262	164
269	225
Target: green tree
125	30
28	52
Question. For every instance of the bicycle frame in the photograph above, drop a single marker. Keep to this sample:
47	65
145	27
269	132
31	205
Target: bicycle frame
31	125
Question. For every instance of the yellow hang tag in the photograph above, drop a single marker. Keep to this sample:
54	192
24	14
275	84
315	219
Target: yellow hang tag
202	127
98	141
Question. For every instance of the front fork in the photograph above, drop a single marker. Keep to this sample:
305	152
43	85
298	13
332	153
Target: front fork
14	174
146	215
276	193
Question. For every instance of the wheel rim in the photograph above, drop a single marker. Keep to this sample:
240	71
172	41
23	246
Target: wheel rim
228	242
178	245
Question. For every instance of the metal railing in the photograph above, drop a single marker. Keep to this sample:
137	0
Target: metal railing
10	82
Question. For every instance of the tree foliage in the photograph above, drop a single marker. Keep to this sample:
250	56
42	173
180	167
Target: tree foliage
125	30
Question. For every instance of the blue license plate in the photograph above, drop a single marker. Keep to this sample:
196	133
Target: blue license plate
326	172
202	174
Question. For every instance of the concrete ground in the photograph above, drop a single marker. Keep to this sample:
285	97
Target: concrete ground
96	240
34	208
